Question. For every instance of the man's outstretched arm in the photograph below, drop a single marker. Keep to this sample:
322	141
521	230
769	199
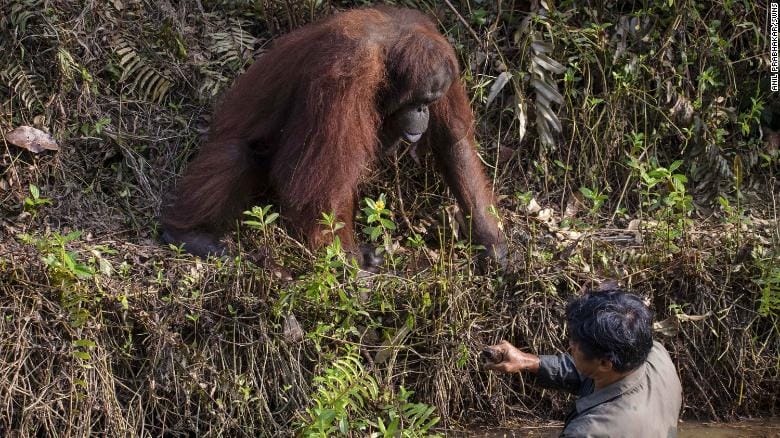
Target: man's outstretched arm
552	371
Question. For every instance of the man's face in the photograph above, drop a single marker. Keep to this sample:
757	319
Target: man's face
592	368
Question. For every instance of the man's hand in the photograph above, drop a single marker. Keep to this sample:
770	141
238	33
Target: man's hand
506	358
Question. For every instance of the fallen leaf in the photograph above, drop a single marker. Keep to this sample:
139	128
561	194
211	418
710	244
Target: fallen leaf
293	333
634	225
545	215
34	140
668	327
573	206
497	86
671	325
568	235
533	207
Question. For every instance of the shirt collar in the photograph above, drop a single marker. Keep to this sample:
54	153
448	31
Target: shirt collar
609	392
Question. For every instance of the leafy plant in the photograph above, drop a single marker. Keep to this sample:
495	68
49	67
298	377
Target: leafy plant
28	86
66	271
769	282
377	218
596	197
671	192
261	219
34	201
348	401
138	73
379	223
342	393
662	190
406	418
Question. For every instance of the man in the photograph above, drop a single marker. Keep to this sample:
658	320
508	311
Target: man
627	384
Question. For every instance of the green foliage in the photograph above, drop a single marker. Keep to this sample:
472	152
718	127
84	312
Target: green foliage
750	118
662	188
571	91
595	197
379	224
81	349
342	393
63	264
664	198
95	129
29	87
378	218
348	402
406	419
769	282
139	74
324	285
35	201
262	220
68	270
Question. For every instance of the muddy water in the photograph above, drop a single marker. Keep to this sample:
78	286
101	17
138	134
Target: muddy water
753	428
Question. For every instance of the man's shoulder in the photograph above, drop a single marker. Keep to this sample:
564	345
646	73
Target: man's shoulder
659	352
660	365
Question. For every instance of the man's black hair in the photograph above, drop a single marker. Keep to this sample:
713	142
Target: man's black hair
613	325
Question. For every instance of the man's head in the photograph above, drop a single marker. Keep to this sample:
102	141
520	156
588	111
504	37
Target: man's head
609	332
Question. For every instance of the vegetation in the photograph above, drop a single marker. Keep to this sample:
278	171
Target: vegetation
623	140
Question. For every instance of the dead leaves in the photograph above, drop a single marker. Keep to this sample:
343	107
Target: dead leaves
32	139
671	325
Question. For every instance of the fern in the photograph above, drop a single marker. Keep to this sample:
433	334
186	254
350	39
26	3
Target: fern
20	14
406	420
347	399
143	79
342	390
231	47
27	86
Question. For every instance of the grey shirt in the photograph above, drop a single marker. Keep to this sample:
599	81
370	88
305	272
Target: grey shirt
646	403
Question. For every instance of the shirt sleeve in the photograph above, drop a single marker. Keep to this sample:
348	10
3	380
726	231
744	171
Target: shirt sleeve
558	372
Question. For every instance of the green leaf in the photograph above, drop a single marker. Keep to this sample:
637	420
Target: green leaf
83	355
67	258
105	267
344	425
588	193
73	235
392	428
82	271
86	343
